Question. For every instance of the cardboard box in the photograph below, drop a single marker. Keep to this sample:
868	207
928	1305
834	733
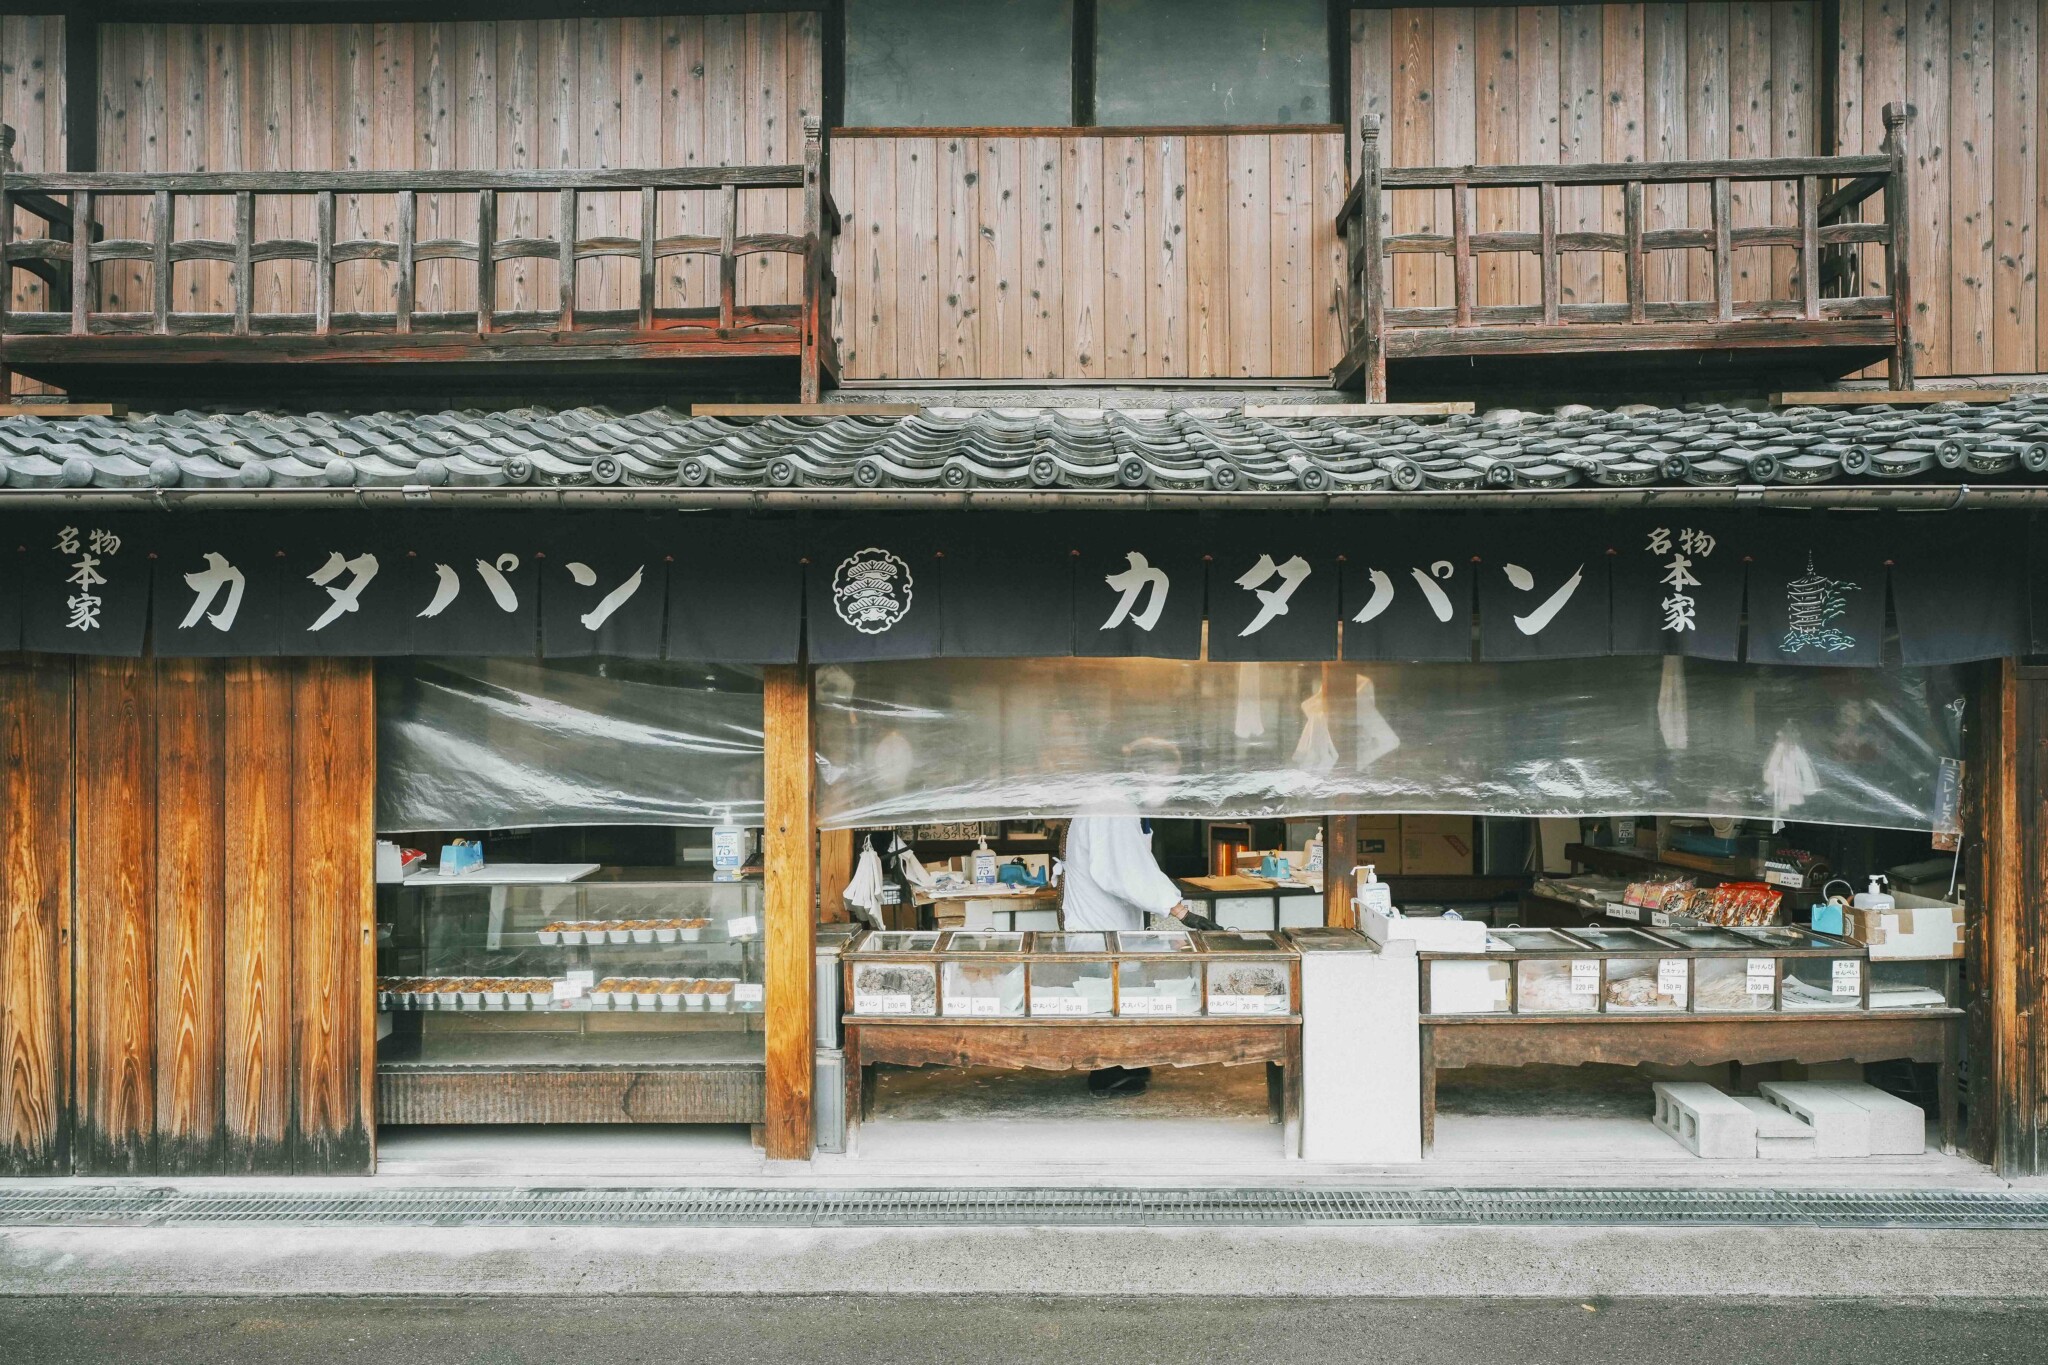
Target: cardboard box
1379	843
1437	845
1919	929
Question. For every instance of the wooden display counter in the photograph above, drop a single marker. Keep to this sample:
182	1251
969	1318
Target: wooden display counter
1070	1045
1931	1036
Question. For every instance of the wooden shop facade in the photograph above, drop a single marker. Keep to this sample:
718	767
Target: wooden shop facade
676	417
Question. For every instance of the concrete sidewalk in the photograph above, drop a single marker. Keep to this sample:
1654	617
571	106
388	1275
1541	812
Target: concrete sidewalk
1425	1262
945	1330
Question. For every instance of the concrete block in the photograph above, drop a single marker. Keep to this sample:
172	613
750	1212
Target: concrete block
1897	1127
1779	1135
1361	1057
1704	1121
1841	1127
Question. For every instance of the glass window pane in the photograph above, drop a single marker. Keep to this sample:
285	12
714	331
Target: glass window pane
959	63
1212	62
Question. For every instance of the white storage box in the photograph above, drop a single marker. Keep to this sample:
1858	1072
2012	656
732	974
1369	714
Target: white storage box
1429	933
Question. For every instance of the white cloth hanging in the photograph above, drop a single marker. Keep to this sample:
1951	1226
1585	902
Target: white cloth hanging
1250	721
1112	881
864	892
1789	774
1376	738
1315	751
1673	720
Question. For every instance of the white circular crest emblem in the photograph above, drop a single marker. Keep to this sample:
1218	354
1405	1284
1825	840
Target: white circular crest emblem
871	590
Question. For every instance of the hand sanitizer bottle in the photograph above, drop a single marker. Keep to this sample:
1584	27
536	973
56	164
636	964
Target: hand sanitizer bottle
1874	898
1374	894
984	863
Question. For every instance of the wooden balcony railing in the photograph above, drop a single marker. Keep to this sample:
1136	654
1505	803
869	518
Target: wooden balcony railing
661	314
1830	312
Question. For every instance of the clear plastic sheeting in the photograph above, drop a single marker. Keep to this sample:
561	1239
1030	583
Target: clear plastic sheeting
512	744
984	739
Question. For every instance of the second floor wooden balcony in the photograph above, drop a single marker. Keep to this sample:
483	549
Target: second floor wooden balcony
1638	267
717	278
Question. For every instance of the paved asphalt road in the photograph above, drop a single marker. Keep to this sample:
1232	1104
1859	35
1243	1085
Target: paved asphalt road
818	1331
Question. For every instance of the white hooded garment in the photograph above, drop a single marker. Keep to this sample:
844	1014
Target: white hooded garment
1111	877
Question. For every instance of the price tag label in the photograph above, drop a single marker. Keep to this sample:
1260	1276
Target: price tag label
571	989
1585	977
1145	1004
1244	1004
1671	977
1848	978
747	993
585	978
1620	911
984	1006
1763	975
746	926
1659	920
881	1004
1058	1004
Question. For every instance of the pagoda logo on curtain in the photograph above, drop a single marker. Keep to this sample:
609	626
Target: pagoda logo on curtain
1813	603
871	590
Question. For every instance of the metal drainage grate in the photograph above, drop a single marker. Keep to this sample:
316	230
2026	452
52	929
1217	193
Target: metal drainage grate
58	1205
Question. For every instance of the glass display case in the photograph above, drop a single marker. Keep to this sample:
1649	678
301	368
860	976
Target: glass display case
1748	970
978	974
1157	973
1072	976
1245	975
621	967
983	974
893	973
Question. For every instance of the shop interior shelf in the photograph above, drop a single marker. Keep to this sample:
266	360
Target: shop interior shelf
1634	863
512	1051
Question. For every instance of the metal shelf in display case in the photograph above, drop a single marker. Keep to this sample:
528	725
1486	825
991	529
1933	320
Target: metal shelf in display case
629	995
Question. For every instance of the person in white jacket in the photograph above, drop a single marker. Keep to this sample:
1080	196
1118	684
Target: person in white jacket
1111	881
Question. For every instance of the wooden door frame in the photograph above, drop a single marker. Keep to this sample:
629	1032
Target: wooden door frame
2005	870
790	933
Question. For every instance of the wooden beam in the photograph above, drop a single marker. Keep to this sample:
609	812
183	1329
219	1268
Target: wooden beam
1340	857
63	409
805	409
1270	410
1916	398
791	932
835	870
2005	836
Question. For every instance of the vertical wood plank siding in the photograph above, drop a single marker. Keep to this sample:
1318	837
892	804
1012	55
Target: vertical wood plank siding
114	967
1089	256
701	90
1213	281
333	767
257	824
1972	71
1579	83
35	914
32	104
216	946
